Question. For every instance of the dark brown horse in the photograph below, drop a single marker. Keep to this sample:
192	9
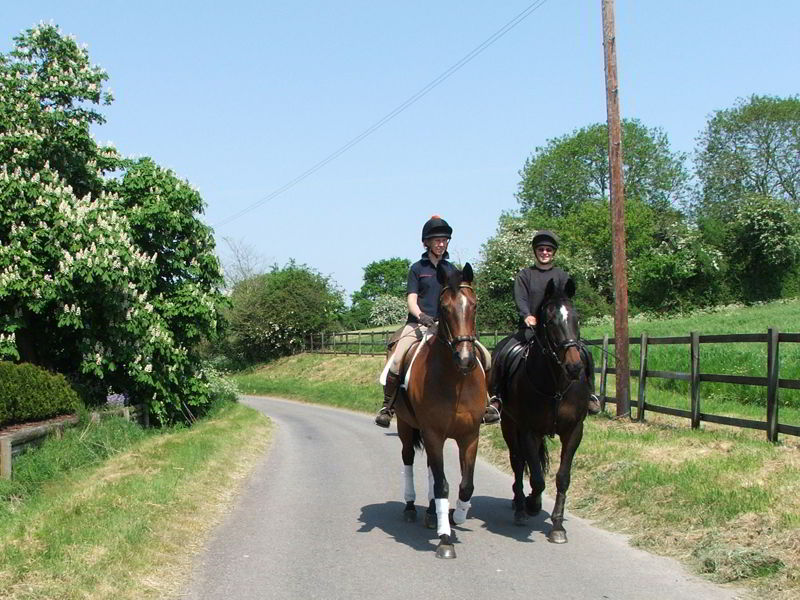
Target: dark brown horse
446	398
547	395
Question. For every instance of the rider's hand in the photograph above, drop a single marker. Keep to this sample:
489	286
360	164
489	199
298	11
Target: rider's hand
424	319
530	321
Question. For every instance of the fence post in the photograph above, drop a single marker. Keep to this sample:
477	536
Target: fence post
346	343
773	372
5	458
604	372
694	379
642	376
359	343
322	342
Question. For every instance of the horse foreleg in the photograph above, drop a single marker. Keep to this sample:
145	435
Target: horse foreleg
517	461
536	457
569	445
467	453
440	502
406	434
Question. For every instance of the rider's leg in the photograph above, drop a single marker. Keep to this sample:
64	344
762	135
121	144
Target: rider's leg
407	337
493	403
384	416
594	401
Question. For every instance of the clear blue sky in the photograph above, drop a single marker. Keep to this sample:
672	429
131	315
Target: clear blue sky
241	97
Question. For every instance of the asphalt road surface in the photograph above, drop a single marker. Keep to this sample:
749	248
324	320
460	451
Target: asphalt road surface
321	517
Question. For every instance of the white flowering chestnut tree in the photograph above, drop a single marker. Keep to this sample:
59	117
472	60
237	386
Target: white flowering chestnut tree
106	273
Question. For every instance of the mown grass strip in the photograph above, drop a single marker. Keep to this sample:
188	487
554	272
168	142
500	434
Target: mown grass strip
127	527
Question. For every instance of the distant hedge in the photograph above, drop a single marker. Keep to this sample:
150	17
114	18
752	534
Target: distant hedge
29	393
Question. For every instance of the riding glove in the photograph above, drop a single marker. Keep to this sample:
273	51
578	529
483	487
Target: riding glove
424	319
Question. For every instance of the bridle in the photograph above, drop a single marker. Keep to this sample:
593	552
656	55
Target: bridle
449	338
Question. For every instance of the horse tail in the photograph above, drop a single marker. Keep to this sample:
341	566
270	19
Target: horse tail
416	439
544	456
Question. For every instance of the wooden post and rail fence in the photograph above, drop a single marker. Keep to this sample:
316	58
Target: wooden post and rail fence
374	344
15	442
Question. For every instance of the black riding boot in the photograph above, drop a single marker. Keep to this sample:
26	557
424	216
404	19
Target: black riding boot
594	401
384	416
495	405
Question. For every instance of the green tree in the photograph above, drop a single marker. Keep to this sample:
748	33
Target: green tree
573	169
763	243
109	282
385	277
750	149
388	310
272	314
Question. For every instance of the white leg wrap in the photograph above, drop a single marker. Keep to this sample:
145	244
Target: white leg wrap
431	495
408	476
460	513
443	516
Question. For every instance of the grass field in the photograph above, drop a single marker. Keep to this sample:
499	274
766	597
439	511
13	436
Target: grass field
722	500
112	511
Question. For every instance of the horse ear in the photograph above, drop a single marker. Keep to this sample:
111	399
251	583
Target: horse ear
466	273
441	274
569	288
549	288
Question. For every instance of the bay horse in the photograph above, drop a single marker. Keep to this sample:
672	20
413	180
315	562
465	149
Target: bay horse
547	395
445	399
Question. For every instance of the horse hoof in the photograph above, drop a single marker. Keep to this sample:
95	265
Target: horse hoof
533	508
557	537
445	551
520	518
410	515
430	520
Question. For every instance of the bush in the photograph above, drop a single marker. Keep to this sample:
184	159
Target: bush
29	393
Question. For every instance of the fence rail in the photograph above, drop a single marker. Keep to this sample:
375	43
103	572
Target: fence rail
14	443
374	344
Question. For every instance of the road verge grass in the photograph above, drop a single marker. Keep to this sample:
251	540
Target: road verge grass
722	500
127	526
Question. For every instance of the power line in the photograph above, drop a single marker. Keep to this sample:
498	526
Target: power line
392	114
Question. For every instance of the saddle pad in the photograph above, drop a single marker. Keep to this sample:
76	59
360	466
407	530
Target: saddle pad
385	372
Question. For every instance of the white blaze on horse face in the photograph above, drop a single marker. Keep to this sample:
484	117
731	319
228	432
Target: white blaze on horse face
564	313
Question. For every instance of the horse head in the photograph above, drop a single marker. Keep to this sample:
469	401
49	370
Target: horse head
559	329
457	310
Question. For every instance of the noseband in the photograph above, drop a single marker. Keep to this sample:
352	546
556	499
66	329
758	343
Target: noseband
452	340
553	352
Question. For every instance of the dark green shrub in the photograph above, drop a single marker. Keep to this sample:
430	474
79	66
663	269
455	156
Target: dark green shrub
29	393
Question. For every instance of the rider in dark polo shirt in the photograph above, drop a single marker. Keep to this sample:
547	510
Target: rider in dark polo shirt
423	289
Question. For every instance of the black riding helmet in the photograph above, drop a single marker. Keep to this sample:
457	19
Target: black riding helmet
436	226
544	236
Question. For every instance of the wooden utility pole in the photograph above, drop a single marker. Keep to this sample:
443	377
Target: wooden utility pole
623	390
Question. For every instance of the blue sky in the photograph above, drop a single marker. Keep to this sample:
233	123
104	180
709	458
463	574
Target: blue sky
241	97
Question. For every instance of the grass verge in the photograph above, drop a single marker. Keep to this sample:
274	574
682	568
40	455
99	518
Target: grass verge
721	500
126	525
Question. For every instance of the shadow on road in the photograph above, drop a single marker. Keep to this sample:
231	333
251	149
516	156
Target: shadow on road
498	517
493	514
388	517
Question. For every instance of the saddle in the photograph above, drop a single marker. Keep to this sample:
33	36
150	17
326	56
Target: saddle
508	361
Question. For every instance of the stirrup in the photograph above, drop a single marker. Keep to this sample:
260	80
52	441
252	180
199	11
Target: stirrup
594	406
492	415
384	417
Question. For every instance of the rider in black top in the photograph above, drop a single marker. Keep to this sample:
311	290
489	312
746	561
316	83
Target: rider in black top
529	287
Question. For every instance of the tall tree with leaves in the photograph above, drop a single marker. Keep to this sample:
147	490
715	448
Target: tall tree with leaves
573	169
109	282
750	149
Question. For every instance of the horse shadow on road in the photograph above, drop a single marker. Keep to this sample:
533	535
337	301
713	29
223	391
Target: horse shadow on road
493	514
497	515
